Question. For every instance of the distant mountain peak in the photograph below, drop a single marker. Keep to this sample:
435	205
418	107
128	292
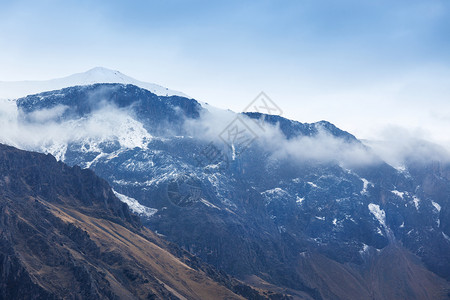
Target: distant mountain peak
105	75
100	73
18	89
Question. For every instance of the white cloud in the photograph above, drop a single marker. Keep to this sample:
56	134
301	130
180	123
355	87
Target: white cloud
395	145
42	130
109	123
46	115
321	148
398	146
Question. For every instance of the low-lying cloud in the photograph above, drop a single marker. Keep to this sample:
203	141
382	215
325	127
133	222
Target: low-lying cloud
43	130
397	146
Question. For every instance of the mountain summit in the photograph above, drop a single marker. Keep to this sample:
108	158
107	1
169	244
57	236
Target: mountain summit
17	89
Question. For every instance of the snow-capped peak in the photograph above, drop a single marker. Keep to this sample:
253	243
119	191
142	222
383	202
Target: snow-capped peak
99	74
17	89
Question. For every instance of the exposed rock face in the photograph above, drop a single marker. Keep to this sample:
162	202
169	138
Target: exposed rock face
64	235
259	216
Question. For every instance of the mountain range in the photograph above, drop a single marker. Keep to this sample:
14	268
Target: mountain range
65	235
302	209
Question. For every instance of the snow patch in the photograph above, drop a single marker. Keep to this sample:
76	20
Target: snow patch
58	150
276	191
124	129
366	184
300	200
397	193
209	204
95	160
365	248
401	168
416	202
379	214
312	184
281	229
446	236
233	154
135	206
436	205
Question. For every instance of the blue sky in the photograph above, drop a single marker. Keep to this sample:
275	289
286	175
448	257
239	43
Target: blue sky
362	65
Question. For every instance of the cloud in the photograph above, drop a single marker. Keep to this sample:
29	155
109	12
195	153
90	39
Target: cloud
320	148
43	131
395	145
399	146
9	127
46	115
323	148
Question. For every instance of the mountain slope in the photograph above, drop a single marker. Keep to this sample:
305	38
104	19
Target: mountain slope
64	234
392	273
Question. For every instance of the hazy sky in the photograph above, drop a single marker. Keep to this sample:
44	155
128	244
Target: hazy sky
363	65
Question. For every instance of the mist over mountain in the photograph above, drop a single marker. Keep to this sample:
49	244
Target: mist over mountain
278	203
